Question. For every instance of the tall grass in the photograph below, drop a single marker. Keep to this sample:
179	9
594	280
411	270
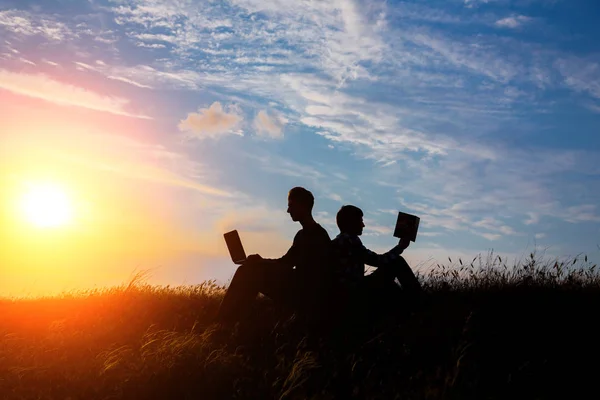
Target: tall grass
485	330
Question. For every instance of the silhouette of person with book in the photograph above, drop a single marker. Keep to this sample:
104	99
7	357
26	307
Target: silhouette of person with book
298	280
351	256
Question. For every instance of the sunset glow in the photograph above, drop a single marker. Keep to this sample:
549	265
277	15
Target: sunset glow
47	205
134	133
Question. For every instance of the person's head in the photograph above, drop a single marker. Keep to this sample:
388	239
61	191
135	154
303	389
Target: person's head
300	203
350	220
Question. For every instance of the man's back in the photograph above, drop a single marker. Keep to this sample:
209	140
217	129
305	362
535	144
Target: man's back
310	253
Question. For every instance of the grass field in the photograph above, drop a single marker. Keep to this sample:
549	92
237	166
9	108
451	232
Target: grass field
484	331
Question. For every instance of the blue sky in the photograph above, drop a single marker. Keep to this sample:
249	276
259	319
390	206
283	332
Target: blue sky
480	116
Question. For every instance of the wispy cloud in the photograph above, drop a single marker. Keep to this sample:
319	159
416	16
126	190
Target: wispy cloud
594	108
27	24
130	81
582	213
135	159
475	58
513	22
352	38
491	236
212	122
430	98
581	75
145	76
451	85
284	166
474	3
45	88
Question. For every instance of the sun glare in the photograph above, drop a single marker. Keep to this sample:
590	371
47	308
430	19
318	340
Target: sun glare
47	206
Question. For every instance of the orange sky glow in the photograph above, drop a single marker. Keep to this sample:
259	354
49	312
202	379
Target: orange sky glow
125	199
133	135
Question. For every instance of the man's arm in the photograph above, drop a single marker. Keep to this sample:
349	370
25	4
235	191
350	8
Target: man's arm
288	258
377	260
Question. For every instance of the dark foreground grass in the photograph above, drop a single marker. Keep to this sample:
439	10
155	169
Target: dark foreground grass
484	331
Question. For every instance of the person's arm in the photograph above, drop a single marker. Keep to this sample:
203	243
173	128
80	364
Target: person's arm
369	257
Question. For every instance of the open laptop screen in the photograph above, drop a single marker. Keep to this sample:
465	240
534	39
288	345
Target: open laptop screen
235	247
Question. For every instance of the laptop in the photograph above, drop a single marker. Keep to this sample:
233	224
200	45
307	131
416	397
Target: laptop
235	247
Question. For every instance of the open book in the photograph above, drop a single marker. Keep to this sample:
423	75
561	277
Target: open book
407	226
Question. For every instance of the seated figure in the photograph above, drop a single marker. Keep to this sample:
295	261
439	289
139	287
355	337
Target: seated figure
378	289
299	280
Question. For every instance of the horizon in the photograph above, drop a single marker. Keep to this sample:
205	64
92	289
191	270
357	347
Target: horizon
157	126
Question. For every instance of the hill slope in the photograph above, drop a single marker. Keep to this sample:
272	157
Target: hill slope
489	332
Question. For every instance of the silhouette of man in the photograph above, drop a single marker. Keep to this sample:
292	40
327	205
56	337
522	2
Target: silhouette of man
351	257
298	280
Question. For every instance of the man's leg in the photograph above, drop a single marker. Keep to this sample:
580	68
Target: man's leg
241	291
400	270
409	282
279	285
250	279
381	294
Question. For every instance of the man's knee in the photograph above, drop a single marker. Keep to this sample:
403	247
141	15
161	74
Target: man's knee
402	262
250	269
243	270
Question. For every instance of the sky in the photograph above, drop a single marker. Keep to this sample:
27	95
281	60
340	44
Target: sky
170	122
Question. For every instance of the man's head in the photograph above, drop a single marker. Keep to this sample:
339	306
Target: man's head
350	220
300	204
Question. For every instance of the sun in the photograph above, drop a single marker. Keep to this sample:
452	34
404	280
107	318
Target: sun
46	205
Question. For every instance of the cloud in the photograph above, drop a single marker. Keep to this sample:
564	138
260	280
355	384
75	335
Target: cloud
334	197
540	235
476	57
491	236
212	122
580	74
26	24
513	22
130	81
474	3
582	213
435	101
372	229
287	167
533	219
26	61
45	88
269	126
594	108
492	224
430	234
79	148
147	77
338	38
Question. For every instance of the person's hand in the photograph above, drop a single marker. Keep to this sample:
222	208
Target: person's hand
403	244
254	258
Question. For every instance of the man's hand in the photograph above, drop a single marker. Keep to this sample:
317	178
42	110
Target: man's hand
253	258
403	244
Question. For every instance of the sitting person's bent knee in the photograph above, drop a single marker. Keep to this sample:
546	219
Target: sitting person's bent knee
245	268
402	260
250	267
